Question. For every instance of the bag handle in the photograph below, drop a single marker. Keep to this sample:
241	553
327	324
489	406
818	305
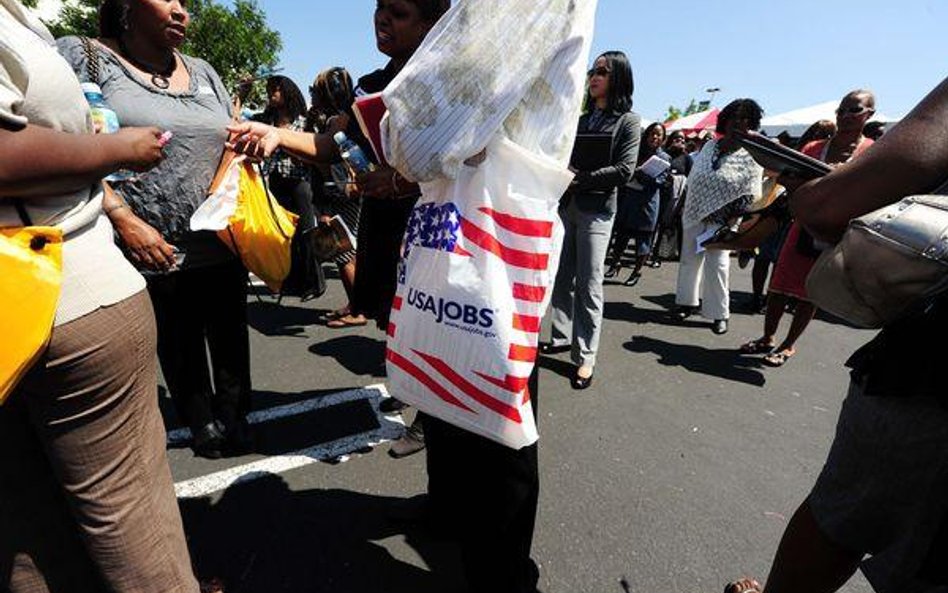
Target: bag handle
21	211
92	59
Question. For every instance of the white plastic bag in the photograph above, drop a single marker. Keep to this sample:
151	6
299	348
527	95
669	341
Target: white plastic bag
479	260
215	212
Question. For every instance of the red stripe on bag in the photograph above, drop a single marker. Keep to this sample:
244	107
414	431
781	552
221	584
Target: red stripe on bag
476	394
510	383
513	257
522	226
425	379
522	353
526	323
397	303
391	330
533	294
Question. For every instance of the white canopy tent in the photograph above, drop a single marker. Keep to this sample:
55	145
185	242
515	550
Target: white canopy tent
797	121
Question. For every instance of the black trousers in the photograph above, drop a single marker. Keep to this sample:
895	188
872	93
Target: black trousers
486	494
198	311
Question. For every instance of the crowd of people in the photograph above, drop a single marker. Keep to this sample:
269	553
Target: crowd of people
86	495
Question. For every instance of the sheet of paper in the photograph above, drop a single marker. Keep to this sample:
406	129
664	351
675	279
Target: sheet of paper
654	166
702	238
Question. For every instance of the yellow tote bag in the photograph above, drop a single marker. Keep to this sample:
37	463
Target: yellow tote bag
31	264
260	231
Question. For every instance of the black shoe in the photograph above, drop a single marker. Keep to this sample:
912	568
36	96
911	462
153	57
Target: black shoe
682	313
208	441
719	327
390	405
654	263
551	348
632	280
613	271
579	383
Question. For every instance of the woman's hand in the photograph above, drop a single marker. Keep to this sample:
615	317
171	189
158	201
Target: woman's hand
140	148
145	244
337	123
254	139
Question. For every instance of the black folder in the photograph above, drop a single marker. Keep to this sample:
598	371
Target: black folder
773	156
591	152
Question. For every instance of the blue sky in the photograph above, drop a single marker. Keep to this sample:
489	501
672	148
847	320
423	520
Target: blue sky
784	53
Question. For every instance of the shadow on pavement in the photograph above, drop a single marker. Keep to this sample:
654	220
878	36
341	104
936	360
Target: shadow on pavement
272	319
726	364
622	311
357	354
261	536
562	368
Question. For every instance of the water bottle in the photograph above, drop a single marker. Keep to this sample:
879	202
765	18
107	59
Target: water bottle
352	154
105	121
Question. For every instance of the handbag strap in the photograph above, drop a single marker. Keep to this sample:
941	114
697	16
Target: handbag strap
92	60
21	210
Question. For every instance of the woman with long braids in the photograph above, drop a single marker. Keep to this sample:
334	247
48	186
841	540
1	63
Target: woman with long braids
639	203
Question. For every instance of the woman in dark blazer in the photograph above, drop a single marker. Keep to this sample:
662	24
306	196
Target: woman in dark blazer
588	210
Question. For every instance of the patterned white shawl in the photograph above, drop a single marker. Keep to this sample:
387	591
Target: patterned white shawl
489	66
709	190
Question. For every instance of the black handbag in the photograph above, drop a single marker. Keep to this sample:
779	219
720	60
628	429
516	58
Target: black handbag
306	280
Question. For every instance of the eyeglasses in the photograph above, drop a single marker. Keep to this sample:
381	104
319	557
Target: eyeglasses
600	71
854	110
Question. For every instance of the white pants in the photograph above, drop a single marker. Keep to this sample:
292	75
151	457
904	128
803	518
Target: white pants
703	277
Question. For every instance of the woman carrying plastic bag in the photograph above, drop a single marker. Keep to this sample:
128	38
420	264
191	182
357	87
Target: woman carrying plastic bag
483	117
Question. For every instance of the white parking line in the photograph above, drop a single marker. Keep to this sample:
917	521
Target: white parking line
391	428
181	436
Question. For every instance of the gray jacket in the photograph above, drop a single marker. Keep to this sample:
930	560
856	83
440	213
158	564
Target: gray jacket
596	190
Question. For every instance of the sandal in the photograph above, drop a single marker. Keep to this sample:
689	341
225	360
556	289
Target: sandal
778	359
758	346
347	320
336	314
743	586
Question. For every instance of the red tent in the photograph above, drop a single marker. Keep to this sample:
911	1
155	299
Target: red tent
696	122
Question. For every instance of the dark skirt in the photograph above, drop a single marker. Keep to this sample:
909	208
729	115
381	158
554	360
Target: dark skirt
638	210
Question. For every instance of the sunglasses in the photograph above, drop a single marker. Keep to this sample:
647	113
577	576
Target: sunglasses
600	71
854	110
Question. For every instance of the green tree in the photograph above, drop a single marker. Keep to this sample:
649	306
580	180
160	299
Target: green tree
674	112
30	3
234	41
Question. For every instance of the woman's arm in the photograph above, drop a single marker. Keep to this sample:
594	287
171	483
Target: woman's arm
912	158
623	165
142	242
260	141
37	161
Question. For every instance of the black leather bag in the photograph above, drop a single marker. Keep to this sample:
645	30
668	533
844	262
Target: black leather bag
306	279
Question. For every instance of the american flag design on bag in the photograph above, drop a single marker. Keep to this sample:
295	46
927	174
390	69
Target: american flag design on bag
474	282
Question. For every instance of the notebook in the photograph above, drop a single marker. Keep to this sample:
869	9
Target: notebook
773	156
591	152
369	111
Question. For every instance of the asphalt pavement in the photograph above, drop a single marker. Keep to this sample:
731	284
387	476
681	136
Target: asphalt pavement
676	472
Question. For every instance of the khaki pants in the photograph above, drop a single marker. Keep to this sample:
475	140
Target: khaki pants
86	496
